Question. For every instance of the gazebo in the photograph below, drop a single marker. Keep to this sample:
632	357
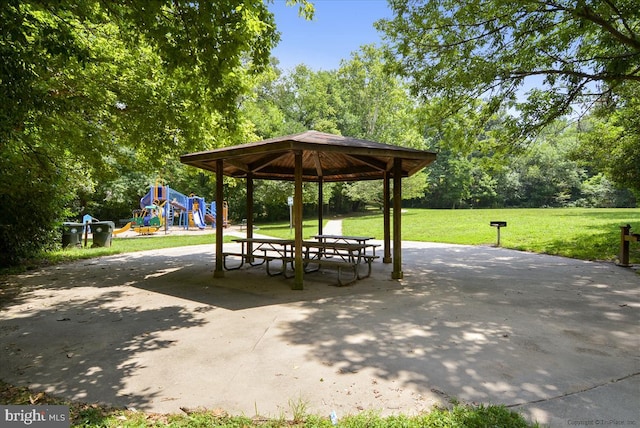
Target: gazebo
314	156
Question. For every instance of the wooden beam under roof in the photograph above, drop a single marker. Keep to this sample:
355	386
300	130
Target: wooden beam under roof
378	164
316	160
266	160
239	164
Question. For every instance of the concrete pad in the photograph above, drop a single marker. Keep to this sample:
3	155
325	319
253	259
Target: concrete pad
554	338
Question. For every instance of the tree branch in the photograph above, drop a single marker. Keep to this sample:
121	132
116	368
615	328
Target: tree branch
621	16
586	13
516	74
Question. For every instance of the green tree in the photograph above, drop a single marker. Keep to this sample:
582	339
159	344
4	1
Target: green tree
450	181
374	104
89	86
610	143
541	59
359	100
599	192
377	106
371	192
308	98
489	49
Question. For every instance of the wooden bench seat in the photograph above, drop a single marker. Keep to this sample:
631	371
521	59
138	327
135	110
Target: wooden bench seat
345	257
243	257
368	258
341	265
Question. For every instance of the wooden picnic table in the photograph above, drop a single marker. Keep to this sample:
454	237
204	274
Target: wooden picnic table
343	255
347	239
265	250
343	238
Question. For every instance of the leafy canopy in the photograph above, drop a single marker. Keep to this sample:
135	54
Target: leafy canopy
88	86
570	50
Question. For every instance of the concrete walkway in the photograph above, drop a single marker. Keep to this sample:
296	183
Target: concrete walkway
333	227
554	338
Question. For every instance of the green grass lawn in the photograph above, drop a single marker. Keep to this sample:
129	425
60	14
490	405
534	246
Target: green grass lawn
92	415
582	233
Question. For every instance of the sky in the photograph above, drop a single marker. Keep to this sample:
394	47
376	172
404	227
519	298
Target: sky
338	28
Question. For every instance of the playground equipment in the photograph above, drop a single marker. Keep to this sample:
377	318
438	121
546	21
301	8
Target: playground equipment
156	210
225	213
162	206
196	210
199	213
148	220
122	229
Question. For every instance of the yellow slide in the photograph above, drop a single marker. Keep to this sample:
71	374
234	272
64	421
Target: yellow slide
122	229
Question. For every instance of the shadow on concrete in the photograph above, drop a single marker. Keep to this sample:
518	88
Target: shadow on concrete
545	335
486	325
86	349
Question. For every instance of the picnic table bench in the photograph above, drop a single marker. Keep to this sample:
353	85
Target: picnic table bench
266	250
347	240
345	256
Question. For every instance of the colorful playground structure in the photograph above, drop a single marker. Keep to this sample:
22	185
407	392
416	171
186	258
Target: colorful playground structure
162	206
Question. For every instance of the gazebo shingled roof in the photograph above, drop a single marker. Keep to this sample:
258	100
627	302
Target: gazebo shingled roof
324	156
317	157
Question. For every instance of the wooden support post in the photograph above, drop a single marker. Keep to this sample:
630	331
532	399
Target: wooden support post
249	214
386	208
219	269
298	282
397	219
320	205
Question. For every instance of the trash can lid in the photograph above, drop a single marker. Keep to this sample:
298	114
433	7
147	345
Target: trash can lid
99	224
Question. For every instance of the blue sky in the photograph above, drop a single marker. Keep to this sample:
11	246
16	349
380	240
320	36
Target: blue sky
338	28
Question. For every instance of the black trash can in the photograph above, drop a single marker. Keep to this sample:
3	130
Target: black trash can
101	231
71	235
